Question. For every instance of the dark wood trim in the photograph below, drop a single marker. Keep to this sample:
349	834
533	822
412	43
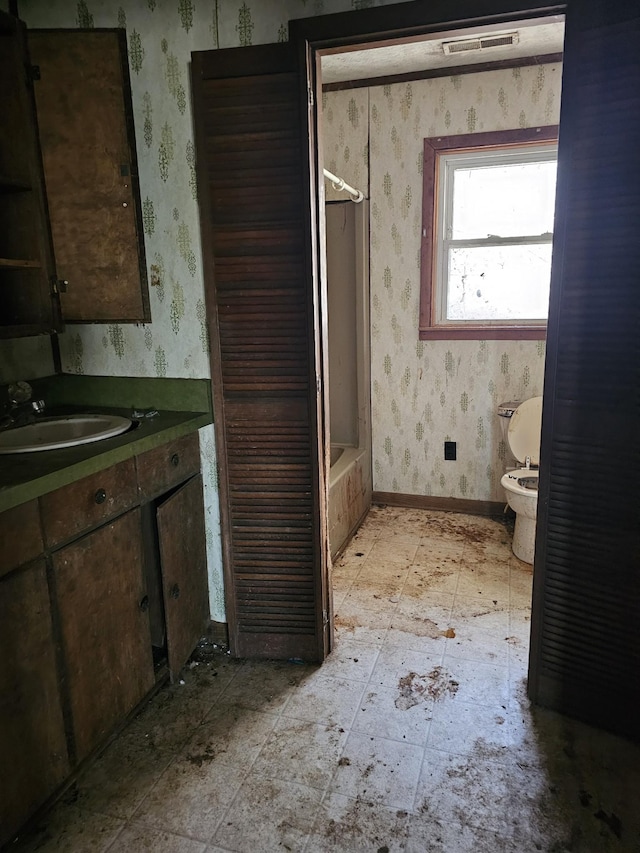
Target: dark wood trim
218	633
205	65
433	147
381	25
55	352
453	71
318	363
483	333
199	66
471	507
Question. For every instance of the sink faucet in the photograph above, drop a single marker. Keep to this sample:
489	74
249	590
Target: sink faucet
20	406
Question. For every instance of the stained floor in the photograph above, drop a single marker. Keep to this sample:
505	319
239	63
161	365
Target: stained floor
415	735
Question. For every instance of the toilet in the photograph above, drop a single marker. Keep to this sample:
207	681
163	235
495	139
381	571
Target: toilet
521	484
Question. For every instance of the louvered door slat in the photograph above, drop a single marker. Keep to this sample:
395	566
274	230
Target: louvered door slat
251	172
585	654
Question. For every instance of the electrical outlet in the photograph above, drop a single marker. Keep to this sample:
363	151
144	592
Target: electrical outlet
450	450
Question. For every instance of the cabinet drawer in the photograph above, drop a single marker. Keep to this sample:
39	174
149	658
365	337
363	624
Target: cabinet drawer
161	469
80	506
20	536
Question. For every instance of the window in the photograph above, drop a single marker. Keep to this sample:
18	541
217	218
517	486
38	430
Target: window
488	206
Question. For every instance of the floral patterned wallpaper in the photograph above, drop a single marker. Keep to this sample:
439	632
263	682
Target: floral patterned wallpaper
345	140
161	35
409	379
427	392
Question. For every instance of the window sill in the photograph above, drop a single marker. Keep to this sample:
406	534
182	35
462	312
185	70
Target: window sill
483	333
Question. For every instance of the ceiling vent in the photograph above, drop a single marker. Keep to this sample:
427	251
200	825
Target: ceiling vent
481	43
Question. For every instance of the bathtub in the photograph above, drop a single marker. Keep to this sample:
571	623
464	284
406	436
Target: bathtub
349	493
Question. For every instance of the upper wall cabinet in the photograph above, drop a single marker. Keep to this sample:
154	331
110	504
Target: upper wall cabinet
29	302
85	118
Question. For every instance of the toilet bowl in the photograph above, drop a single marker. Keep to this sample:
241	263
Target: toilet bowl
521	484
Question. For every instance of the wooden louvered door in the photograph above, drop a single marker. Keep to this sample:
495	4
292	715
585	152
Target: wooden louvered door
255	204
585	652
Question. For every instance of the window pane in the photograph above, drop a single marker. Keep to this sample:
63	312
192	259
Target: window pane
499	283
507	201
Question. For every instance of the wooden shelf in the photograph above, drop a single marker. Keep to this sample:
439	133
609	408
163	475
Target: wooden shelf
19	264
29	304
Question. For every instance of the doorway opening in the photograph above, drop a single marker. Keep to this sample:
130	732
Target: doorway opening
379	103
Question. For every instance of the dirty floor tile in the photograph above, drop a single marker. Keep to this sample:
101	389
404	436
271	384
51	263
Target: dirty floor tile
269	814
416	734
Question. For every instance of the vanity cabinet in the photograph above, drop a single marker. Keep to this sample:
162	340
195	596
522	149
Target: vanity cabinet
29	298
33	744
100	592
76	508
103	591
170	488
180	524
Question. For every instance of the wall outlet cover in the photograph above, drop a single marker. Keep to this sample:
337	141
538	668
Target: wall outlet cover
450	450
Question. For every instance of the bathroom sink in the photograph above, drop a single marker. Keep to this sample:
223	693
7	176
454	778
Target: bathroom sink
63	431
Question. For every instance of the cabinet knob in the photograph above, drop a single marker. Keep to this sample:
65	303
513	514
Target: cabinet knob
100	496
174	592
175	460
144	604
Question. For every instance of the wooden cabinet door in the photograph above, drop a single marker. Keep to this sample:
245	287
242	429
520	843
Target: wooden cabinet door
184	571
33	746
29	303
107	644
83	97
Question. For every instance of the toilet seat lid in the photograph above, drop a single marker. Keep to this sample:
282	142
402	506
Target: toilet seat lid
524	430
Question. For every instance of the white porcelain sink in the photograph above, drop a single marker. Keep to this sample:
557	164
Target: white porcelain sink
64	431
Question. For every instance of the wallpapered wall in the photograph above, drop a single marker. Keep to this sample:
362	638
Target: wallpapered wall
410	380
161	35
426	392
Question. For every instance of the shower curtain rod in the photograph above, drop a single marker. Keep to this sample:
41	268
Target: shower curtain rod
339	184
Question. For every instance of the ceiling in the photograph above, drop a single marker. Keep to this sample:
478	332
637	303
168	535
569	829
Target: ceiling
407	57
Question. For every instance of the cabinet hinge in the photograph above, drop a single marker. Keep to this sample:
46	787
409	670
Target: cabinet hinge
311	97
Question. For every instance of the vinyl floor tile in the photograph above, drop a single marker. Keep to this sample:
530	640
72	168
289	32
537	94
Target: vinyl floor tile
302	752
191	796
350	824
69	829
378	770
143	838
269	815
401	713
416	734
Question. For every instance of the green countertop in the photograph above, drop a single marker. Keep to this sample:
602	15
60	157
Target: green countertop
25	476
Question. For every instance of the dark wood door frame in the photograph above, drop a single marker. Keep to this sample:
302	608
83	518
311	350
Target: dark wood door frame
346	30
563	677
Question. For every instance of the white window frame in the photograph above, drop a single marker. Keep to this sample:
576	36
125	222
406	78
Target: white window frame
448	164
